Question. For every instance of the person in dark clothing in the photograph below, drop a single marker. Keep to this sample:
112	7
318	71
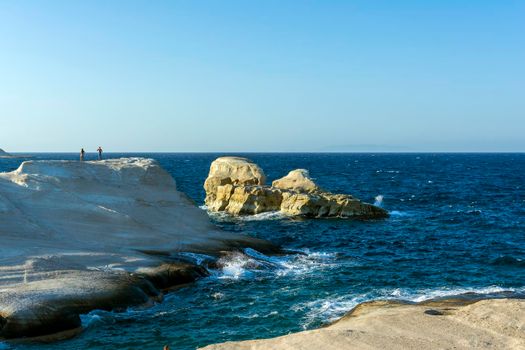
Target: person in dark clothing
99	150
82	154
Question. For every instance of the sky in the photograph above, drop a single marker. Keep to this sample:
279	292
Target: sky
262	76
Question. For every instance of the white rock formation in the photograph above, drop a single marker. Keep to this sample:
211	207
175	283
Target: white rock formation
237	186
72	232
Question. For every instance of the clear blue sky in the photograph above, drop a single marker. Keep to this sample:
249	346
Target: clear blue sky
262	75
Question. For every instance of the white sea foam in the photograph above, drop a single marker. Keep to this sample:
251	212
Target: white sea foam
92	318
246	264
237	265
334	307
272	313
448	292
297	264
398	213
223	216
378	200
217	295
388	171
328	309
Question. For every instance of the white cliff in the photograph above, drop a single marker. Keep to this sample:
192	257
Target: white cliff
84	235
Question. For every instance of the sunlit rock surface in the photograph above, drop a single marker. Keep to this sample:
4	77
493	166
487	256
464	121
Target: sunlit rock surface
237	186
447	324
76	236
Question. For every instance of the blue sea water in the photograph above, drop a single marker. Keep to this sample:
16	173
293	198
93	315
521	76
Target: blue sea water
457	225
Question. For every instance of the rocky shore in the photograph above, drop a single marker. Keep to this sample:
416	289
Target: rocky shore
77	236
445	324
238	186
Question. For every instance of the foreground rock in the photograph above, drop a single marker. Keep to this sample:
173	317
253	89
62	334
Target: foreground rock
486	324
238	186
78	236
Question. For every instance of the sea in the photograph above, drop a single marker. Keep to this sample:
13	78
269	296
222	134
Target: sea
456	227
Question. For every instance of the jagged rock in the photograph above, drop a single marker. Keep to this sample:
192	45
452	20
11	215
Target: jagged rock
77	236
236	186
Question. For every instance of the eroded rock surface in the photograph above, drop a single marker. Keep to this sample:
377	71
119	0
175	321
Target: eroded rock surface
77	236
237	186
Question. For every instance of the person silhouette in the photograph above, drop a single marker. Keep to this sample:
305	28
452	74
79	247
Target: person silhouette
99	150
82	154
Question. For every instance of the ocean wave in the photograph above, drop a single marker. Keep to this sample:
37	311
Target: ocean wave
270	314
95	317
271	215
236	265
334	307
249	262
423	295
507	260
225	217
328	309
388	171
398	213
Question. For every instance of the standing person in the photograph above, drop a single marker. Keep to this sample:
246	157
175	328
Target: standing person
99	150
82	154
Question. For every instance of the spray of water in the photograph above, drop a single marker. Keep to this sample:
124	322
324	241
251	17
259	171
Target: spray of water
379	200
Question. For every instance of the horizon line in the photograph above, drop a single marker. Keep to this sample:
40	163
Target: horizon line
275	152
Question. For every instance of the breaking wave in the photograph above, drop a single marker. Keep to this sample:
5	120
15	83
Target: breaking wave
249	262
332	308
225	217
378	200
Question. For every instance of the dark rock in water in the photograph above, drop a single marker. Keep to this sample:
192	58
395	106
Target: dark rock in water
169	275
54	304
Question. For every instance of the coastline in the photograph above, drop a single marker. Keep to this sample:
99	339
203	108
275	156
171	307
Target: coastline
322	264
456	323
96	235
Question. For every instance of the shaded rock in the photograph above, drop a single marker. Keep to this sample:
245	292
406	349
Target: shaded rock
236	186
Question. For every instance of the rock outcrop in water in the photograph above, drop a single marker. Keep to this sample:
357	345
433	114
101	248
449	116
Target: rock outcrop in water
77	236
238	186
